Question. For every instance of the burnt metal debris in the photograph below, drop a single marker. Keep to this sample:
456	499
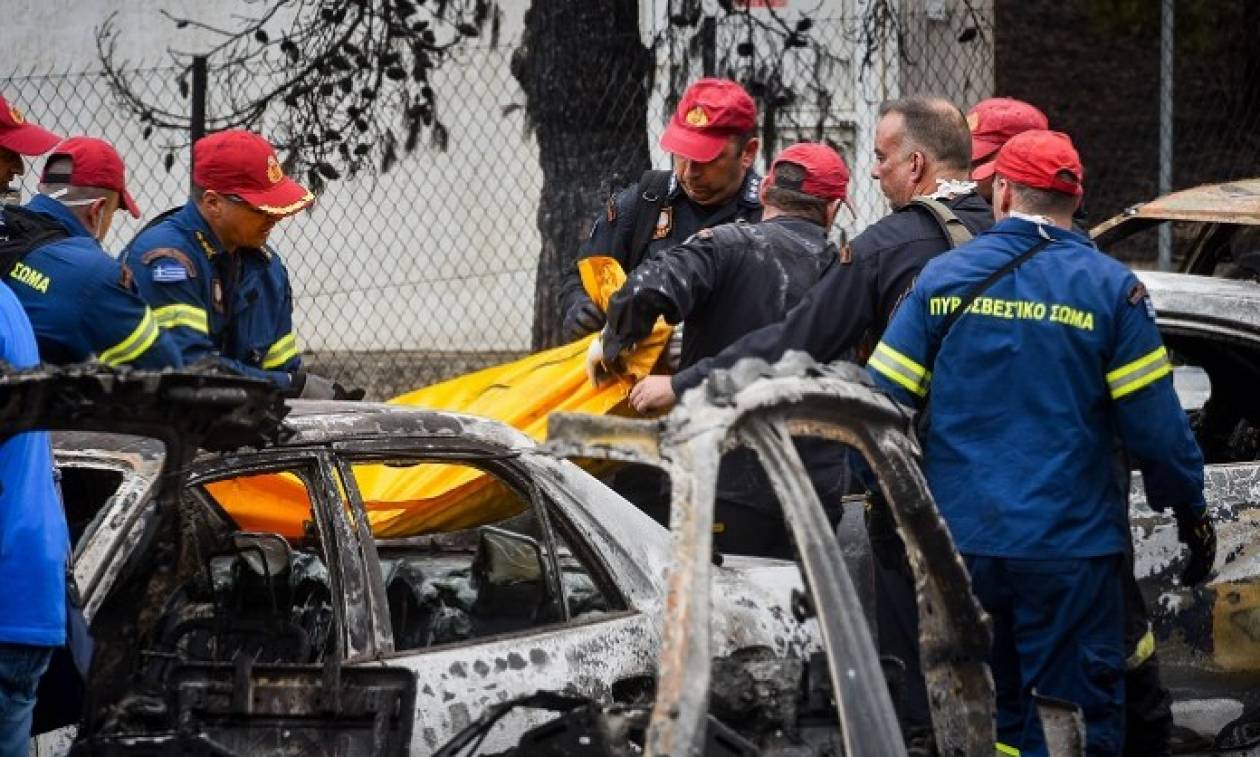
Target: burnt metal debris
763	407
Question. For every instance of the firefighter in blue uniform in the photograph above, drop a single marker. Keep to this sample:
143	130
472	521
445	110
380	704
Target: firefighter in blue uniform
711	137
214	284
80	300
1056	355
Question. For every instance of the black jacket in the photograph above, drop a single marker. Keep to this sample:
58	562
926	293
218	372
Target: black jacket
844	315
613	232
725	282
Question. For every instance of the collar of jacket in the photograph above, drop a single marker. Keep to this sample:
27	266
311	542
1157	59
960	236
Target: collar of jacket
190	218
45	205
800	225
1019	226
749	191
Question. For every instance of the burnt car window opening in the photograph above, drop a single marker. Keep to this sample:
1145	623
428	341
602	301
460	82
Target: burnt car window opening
1215	385
487	571
84	491
252	591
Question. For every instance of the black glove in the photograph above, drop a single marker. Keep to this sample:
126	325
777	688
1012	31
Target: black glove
352	393
583	317
311	386
1199	535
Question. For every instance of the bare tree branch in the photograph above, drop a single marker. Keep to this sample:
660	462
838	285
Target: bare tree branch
327	79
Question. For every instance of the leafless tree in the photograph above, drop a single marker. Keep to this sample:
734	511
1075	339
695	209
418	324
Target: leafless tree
343	85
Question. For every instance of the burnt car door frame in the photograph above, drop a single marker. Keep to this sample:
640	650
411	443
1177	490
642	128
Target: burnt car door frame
348	584
763	407
505	466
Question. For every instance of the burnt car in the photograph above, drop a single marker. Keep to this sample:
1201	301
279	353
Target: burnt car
1208	637
211	636
1215	229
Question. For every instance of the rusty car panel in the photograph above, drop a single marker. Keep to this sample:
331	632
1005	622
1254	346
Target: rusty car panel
1235	202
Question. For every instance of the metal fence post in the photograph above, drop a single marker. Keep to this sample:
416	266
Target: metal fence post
1166	38
197	121
708	45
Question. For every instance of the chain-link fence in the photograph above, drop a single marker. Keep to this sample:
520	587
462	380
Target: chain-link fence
1095	70
430	270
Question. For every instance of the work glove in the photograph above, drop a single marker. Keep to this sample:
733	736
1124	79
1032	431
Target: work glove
312	386
1199	536
596	371
583	317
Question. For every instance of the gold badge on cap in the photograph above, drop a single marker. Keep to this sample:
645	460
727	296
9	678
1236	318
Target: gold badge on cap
697	117
274	172
16	115
973	121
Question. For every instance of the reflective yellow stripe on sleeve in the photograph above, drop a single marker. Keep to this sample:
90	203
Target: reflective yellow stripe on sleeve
1006	749
1131	377
281	352
139	340
1142	652
173	316
900	369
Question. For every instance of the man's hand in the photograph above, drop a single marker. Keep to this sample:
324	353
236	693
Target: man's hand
583	317
1199	535
652	393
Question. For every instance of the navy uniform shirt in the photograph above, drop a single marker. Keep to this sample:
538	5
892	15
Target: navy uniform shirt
82	303
844	314
1029	390
725	282
677	220
236	307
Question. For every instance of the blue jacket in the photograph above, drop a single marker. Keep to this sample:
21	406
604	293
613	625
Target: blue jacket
34	542
236	307
81	302
1030	390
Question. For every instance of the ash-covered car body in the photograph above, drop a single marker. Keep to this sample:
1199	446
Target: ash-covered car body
1216	227
1208	637
207	632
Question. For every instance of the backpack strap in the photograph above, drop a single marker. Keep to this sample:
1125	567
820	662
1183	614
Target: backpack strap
951	226
921	421
653	191
22	232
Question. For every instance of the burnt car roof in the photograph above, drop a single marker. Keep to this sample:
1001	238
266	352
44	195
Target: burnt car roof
323	422
1232	202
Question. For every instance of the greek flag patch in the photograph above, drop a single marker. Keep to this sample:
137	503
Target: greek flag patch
169	273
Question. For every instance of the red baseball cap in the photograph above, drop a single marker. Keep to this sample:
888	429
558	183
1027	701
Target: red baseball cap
22	136
94	163
241	163
826	175
710	112
1042	160
993	122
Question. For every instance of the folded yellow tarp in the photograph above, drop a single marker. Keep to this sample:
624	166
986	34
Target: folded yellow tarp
437	497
